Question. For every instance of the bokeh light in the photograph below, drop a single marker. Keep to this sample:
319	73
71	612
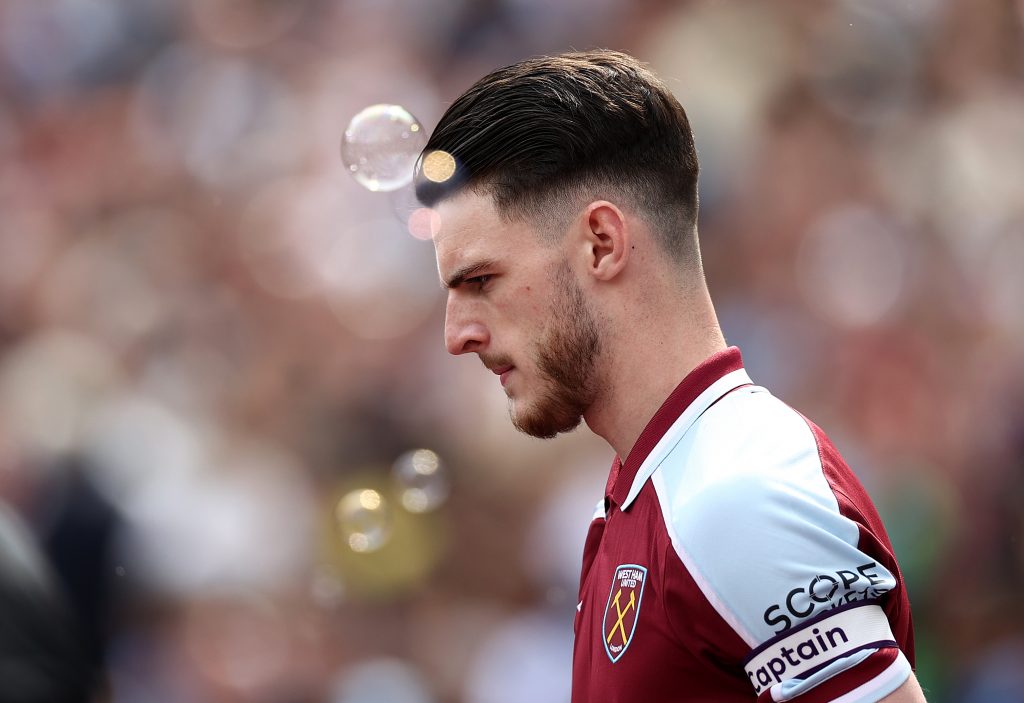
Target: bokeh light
868	55
116	280
46	45
239	641
380	147
376	549
424	223
438	166
853	265
724	91
375	265
257	496
289	228
541	646
381	681
51	386
421	479
245	24
210	327
227	121
364	519
130	431
962	169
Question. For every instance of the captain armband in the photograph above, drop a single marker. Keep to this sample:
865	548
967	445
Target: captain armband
800	652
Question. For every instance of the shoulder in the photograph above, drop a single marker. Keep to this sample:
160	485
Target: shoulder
757	506
754	519
749	453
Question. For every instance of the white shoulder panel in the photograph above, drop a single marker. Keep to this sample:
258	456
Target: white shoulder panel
754	521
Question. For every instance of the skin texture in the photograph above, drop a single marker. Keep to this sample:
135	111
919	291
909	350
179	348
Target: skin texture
517	298
566	356
518	307
596	323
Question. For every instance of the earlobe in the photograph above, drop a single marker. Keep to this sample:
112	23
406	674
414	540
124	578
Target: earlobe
607	238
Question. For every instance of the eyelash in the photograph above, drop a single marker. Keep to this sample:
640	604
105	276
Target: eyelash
479	281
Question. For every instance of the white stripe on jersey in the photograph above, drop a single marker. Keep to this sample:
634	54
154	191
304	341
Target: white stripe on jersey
754	521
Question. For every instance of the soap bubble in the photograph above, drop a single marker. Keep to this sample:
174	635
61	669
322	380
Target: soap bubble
364	520
422	480
381	145
404	202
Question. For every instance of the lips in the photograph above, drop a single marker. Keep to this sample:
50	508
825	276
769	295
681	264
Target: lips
503	373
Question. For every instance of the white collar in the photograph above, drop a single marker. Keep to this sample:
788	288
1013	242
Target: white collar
671	438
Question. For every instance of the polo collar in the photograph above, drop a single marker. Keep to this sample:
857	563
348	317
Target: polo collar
717	375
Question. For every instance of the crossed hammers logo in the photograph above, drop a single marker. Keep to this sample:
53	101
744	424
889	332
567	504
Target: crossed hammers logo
622	614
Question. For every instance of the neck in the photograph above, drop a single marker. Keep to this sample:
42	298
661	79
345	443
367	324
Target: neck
646	361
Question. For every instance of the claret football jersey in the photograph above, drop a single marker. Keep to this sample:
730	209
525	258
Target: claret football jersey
735	557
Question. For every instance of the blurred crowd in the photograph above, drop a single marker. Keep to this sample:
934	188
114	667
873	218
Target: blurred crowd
217	349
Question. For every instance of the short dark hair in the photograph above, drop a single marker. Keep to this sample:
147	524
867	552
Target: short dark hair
550	130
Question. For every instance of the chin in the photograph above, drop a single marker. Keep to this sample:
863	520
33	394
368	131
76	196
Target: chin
544	422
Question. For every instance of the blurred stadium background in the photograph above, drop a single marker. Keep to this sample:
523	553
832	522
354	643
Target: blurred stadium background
210	333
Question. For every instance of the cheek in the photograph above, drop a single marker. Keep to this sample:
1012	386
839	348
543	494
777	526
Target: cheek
523	310
538	305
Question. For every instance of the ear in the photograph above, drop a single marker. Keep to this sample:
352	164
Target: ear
606	239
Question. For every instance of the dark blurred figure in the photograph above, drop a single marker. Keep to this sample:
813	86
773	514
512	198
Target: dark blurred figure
78	529
43	656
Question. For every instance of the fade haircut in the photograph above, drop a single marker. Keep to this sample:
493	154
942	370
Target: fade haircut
547	135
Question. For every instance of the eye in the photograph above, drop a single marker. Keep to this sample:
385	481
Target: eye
479	281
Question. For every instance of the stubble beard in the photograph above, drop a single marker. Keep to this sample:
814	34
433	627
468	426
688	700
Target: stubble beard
566	360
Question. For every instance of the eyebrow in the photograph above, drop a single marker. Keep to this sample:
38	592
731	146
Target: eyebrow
466	272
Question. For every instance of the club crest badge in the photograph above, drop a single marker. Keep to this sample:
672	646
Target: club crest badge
623	610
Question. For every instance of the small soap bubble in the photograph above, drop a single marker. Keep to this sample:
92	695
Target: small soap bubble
364	520
422	480
381	145
404	202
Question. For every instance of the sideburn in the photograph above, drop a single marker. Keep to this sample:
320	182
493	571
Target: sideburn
566	358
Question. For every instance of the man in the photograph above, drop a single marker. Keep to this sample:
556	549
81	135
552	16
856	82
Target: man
735	556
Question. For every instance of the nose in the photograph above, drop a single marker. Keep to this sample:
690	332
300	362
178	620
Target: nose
462	333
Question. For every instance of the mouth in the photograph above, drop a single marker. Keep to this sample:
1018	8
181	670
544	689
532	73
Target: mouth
503	373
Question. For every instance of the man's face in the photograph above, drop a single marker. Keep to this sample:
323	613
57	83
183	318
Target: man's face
513	300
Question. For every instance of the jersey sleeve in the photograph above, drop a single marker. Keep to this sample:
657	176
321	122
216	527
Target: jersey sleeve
756	524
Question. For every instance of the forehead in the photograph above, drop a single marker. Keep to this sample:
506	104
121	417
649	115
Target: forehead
469	227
